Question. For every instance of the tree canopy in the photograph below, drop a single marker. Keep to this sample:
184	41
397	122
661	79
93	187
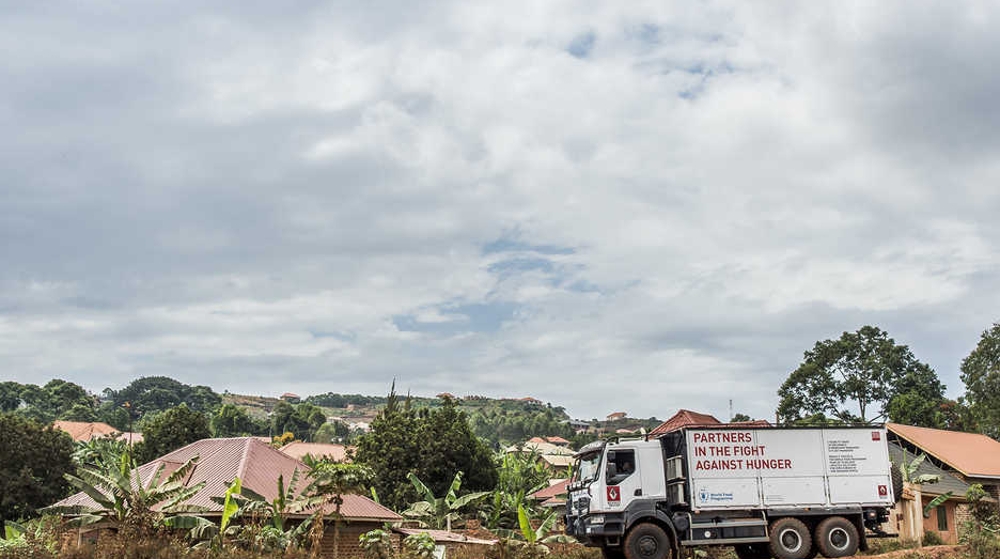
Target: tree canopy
981	375
860	377
148	395
33	459
434	444
170	430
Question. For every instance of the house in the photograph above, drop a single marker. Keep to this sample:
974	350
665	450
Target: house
971	457
616	416
299	450
87	431
444	395
943	519
259	466
291	398
687	418
553	496
532	401
579	425
559	458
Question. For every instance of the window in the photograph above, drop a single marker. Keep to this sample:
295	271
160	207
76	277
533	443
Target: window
621	464
942	514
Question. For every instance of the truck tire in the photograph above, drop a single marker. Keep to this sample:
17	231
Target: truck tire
897	481
647	541
753	551
837	536
790	539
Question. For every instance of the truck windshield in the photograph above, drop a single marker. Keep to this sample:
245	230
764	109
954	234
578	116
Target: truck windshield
588	467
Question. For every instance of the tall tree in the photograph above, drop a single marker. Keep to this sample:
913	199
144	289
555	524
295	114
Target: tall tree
981	375
148	395
170	430
855	378
433	444
231	421
33	460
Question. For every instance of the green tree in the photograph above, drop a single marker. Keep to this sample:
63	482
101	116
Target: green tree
33	460
10	395
448	445
981	375
390	451
231	420
917	398
740	417
148	395
170	430
432	443
855	378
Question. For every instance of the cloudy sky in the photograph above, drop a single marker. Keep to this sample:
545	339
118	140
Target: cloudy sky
612	206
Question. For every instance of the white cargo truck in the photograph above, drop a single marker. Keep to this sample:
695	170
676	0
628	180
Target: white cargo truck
788	493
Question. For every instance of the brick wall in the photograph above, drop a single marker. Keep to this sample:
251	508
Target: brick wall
349	547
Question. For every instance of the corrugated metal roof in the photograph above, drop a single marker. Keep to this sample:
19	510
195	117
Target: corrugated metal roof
255	462
973	455
559	488
948	481
299	450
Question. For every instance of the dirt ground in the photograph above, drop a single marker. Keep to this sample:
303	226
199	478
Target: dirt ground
929	552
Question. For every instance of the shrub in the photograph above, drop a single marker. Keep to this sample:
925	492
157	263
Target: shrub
932	538
982	533
377	544
419	546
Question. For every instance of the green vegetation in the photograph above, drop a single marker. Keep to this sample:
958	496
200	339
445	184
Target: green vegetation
170	430
431	443
862	376
33	460
981	375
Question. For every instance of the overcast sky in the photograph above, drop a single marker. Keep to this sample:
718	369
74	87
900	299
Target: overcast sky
611	206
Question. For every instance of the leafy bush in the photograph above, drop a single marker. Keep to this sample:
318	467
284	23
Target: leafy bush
982	533
419	546
932	538
376	544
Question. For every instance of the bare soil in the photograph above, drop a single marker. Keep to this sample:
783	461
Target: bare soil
929	552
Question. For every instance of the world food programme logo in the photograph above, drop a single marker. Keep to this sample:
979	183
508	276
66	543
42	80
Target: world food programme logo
703	495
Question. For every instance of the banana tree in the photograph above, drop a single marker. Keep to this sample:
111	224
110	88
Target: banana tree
120	496
439	512
330	482
909	470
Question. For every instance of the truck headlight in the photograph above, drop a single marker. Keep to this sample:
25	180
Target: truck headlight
596	519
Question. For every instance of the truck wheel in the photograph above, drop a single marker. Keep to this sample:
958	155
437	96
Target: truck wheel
836	536
647	541
753	551
790	539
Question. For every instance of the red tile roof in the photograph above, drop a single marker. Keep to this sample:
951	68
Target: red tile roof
684	418
971	454
255	462
557	440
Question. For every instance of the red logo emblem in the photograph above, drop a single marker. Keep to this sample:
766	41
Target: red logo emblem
883	491
614	494
876	436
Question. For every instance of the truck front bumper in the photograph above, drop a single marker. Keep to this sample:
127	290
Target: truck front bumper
596	528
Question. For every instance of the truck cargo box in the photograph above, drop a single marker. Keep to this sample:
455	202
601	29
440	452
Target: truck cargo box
763	468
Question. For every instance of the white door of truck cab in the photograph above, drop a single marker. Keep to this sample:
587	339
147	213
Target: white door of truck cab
622	477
